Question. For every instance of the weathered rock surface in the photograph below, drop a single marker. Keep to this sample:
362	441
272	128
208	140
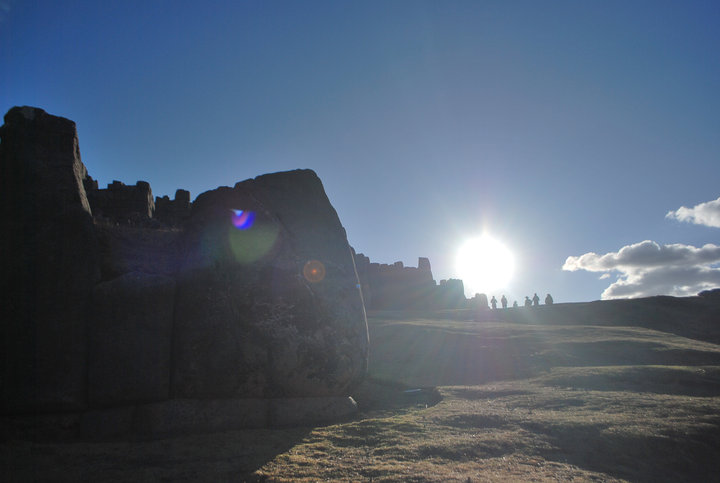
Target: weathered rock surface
249	320
248	294
130	339
48	263
126	248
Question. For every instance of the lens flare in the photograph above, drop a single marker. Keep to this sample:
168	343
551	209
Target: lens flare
242	219
248	246
314	271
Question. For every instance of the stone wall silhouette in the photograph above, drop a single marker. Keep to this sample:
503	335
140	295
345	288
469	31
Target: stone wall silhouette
48	266
397	287
129	314
120	202
173	211
123	203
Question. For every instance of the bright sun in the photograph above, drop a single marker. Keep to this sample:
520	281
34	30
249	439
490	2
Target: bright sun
484	264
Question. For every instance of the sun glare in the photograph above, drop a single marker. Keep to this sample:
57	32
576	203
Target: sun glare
485	265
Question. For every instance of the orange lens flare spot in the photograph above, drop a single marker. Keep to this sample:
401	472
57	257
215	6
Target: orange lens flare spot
314	271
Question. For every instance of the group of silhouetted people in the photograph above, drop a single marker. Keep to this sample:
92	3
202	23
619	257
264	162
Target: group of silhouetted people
534	302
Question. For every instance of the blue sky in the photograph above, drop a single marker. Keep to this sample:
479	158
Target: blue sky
563	128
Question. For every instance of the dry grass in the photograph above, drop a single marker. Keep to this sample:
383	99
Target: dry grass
514	402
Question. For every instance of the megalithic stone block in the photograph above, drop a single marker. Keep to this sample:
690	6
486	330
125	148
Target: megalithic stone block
271	307
249	294
130	338
48	263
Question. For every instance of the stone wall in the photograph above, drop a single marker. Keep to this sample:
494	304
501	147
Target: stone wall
133	204
173	211
48	263
450	294
397	287
247	294
123	203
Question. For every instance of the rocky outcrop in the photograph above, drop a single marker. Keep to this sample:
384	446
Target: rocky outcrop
48	263
136	320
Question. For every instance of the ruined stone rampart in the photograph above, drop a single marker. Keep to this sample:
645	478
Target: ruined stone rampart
125	314
121	202
397	287
173	211
134	204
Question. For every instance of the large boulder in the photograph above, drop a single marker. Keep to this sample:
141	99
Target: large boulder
268	300
48	263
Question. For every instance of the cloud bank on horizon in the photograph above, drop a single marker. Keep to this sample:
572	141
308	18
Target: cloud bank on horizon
648	268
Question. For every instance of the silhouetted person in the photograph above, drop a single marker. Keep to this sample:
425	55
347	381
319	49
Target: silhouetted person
548	299
515	304
503	301
536	300
528	302
493	302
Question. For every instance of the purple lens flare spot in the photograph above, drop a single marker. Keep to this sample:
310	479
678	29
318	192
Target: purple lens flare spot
242	219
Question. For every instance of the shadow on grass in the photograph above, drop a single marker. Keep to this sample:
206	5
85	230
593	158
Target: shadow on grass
448	353
620	352
376	394
473	393
225	456
235	455
678	381
636	457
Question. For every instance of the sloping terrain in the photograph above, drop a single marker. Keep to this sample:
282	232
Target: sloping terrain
459	400
528	402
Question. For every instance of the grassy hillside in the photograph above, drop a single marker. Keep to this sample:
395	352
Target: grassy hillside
527	402
460	400
431	352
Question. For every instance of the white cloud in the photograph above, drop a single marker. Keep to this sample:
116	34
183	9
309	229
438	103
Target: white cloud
707	213
648	268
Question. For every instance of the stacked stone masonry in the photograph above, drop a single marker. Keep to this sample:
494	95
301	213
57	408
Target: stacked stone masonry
123	203
397	287
114	300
